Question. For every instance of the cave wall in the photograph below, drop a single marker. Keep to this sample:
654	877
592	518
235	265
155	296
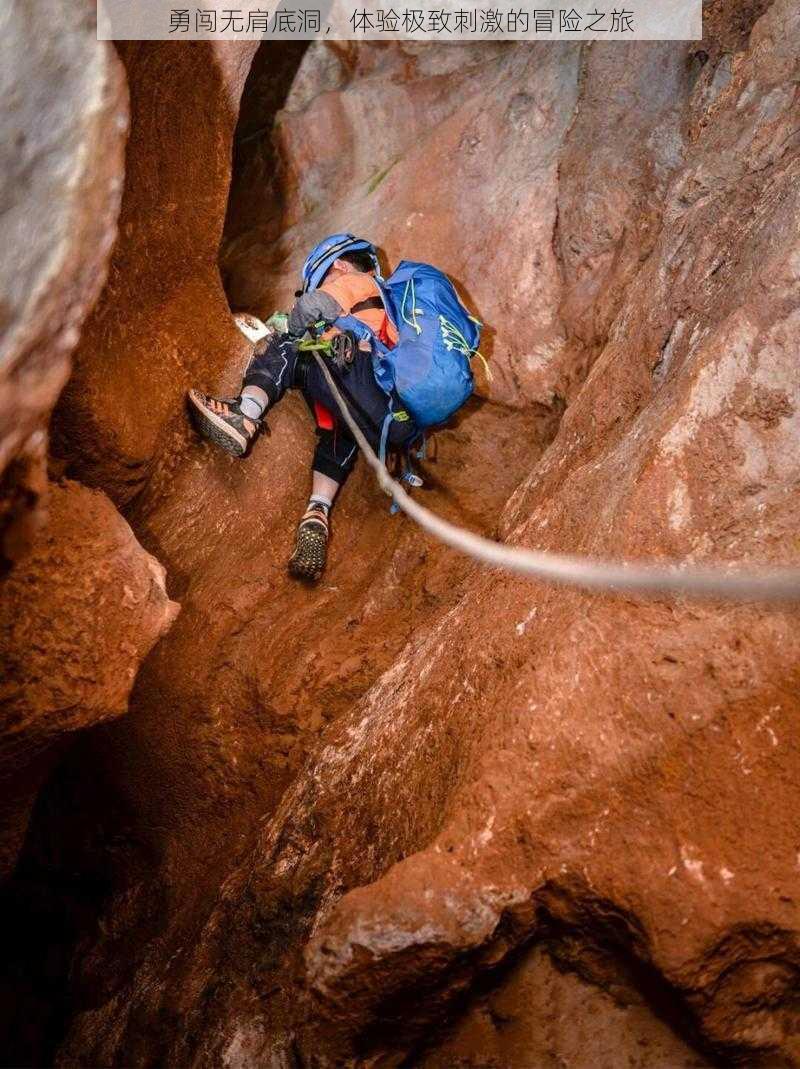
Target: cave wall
81	603
163	319
78	615
398	800
63	131
539	761
71	568
556	158
585	759
548	1016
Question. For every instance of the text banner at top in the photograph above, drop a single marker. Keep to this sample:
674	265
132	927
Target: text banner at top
439	20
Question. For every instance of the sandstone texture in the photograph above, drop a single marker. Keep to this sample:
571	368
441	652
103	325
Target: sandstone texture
162	320
601	765
489	129
62	134
81	603
77	617
548	1017
428	814
63	131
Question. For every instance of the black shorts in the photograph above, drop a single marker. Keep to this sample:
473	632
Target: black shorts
282	366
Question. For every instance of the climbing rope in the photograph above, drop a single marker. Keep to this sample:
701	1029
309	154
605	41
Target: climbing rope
723	582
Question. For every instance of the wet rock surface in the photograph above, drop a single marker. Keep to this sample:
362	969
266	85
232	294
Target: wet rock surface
424	813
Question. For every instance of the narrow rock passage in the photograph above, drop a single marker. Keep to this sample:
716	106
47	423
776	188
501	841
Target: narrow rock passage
265	664
421	813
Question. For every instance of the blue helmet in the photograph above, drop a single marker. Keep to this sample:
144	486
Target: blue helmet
331	248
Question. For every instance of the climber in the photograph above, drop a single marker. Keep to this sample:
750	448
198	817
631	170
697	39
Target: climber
338	280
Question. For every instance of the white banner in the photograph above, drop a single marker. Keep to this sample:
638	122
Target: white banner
352	20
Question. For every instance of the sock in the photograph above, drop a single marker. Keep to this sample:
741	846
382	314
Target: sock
321	501
253	402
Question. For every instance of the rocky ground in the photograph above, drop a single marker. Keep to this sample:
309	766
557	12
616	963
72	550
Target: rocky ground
423	814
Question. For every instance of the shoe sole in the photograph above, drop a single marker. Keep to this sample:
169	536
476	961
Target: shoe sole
215	429
308	560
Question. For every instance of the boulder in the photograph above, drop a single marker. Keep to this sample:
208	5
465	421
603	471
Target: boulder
77	617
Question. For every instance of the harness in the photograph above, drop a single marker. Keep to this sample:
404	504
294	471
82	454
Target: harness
341	349
339	353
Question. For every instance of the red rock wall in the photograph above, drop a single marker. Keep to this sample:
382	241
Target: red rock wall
78	616
163	319
616	779
80	602
558	190
585	760
63	133
242	712
373	809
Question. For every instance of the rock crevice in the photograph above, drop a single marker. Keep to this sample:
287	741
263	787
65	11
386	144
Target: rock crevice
426	811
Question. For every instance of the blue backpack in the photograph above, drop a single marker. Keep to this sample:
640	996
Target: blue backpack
428	369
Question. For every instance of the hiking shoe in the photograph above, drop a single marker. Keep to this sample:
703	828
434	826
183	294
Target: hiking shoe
311	548
221	421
